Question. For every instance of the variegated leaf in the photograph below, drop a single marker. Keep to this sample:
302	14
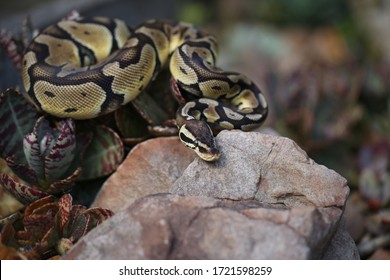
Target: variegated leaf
61	155
38	225
64	184
65	206
99	214
32	149
49	240
83	140
13	47
7	235
17	118
22	171
81	225
20	191
74	213
38	204
104	154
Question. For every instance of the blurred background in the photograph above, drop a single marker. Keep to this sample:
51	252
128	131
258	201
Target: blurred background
323	65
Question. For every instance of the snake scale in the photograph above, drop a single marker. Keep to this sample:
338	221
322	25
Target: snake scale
86	67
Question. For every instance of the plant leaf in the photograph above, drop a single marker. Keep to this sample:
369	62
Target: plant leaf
80	226
19	190
22	171
65	205
17	118
64	184
130	123
38	225
31	147
99	214
103	155
61	155
38	204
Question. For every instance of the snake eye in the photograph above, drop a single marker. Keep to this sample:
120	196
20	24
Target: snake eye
188	141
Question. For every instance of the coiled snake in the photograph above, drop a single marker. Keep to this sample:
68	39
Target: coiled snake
87	67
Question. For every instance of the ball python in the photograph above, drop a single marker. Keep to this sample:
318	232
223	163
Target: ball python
86	67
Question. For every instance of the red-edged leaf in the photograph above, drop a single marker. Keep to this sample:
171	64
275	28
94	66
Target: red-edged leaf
22	171
64	184
104	154
65	206
38	225
61	155
30	209
20	191
99	214
81	225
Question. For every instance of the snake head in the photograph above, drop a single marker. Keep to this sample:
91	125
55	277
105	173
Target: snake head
198	136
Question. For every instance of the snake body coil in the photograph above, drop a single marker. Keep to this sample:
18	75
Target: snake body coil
88	67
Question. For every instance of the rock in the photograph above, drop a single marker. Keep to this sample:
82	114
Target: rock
167	226
266	168
264	199
150	167
341	246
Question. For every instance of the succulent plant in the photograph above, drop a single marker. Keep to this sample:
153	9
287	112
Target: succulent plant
46	155
49	227
104	153
15	46
49	166
50	151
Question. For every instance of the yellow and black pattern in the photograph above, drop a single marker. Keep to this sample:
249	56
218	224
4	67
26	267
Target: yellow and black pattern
88	67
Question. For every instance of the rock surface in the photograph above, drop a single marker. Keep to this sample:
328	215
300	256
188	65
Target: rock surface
341	246
266	168
264	199
150	167
167	226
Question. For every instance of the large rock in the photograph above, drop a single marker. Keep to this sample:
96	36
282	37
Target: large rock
266	168
264	199
150	167
167	226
